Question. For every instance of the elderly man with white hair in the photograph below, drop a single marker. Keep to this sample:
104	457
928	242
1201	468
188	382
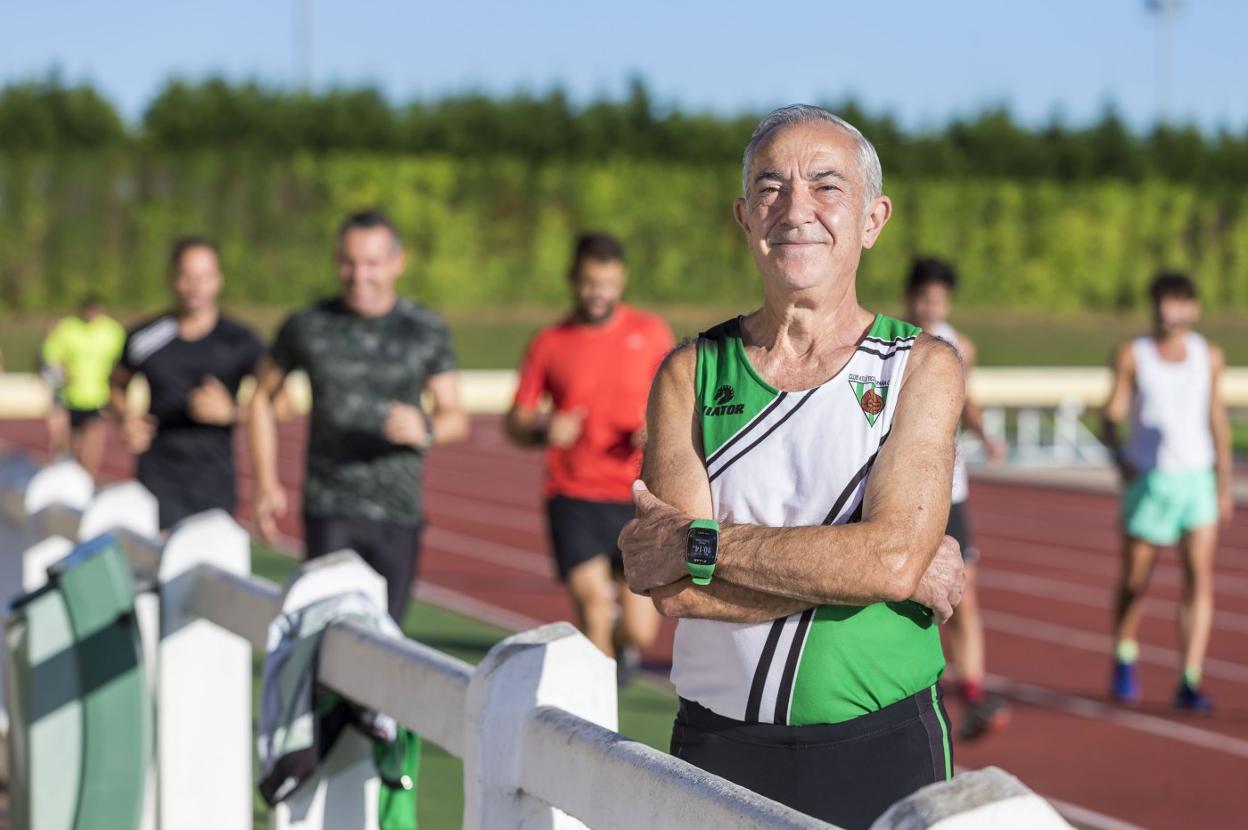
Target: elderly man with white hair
796	488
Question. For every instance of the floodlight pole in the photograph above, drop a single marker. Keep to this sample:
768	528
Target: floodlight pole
1166	11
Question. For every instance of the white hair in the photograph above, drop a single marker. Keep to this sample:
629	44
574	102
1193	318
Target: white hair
868	159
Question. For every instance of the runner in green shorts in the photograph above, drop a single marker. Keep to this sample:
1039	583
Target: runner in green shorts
1176	470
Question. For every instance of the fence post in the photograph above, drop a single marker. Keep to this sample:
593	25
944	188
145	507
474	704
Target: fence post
125	506
204	683
345	791
549	666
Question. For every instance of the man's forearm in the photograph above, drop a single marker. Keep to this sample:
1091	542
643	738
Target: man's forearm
723	601
1222	449
262	438
821	565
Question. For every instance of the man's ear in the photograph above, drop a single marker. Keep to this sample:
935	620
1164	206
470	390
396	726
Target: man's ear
740	213
878	213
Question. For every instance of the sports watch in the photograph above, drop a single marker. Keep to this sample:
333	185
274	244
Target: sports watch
701	550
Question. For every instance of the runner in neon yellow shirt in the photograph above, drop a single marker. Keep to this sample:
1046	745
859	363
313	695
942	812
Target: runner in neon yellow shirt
78	356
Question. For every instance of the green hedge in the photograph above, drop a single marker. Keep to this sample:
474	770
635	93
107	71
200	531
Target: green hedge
497	232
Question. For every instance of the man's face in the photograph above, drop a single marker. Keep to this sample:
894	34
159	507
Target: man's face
370	262
1177	313
929	304
804	216
197	280
597	286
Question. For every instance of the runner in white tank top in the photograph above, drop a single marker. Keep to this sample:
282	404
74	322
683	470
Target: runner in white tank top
822	435
929	294
1176	473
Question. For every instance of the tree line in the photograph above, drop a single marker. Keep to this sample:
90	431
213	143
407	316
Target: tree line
50	115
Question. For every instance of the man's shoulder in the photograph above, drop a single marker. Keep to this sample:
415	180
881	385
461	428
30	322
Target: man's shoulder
234	329
892	331
150	336
417	317
935	357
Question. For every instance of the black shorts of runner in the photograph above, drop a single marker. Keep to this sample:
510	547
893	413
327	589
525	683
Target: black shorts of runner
79	418
844	773
581	530
959	527
177	500
390	549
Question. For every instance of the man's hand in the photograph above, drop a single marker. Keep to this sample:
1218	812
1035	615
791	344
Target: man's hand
565	428
1226	506
995	449
137	432
653	543
268	505
405	424
940	589
211	403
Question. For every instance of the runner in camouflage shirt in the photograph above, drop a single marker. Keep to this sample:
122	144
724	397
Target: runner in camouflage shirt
369	355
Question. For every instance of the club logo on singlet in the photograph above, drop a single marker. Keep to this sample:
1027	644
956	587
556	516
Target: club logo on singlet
871	394
720	403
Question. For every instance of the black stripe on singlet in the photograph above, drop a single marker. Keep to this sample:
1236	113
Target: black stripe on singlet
715	456
764	436
854	482
755	701
790	666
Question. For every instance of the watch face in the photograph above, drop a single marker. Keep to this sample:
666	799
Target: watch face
702	547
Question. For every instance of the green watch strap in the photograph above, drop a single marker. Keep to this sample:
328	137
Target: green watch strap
701	574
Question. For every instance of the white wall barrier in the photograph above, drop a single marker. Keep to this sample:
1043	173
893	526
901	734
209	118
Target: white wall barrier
534	722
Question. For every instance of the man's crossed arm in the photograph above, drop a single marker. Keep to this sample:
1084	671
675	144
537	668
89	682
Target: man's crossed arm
898	551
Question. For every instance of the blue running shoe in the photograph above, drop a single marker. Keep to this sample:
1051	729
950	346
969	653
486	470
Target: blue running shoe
1189	699
1126	684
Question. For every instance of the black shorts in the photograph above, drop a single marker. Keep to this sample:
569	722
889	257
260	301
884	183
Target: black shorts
179	499
79	418
959	527
844	773
581	530
390	549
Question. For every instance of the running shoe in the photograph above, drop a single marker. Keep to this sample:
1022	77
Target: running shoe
1126	684
1189	699
979	719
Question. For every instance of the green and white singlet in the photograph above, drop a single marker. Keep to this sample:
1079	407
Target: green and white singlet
790	459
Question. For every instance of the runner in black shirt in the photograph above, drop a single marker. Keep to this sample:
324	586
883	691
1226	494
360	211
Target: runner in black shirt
370	356
194	358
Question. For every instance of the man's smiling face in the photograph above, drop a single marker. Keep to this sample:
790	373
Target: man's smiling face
805	214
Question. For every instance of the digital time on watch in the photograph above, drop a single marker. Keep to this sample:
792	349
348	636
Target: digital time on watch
702	550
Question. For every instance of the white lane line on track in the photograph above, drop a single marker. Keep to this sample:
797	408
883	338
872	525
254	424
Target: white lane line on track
1096	710
1038	586
1103	644
461	544
1164	573
477	609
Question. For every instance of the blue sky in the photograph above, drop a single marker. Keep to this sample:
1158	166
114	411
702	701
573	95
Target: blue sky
923	61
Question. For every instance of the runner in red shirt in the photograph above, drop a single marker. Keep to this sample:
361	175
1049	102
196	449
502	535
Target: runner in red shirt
595	366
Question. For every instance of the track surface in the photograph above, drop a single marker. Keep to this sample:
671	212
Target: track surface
1046	574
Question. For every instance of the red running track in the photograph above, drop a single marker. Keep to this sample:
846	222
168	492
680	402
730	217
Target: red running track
1046	574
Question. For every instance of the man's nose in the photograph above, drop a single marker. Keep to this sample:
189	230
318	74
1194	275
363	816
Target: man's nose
797	207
